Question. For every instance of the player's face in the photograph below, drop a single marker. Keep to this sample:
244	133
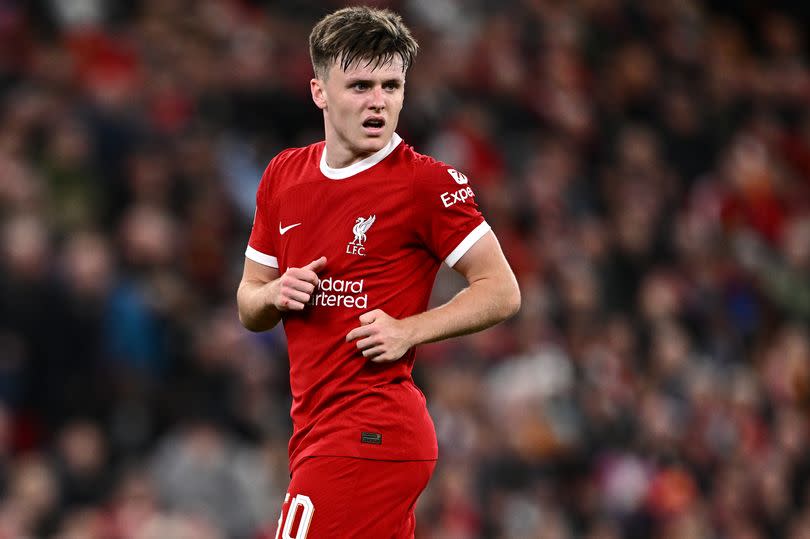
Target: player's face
361	108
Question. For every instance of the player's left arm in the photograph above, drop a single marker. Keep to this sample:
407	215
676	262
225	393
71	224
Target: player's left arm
492	295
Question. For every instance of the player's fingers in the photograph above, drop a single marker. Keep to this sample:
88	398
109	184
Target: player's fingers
385	357
368	342
297	295
369	317
374	352
301	274
302	286
356	333
316	265
296	305
287	304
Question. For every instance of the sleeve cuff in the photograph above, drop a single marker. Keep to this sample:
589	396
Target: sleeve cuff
460	250
261	258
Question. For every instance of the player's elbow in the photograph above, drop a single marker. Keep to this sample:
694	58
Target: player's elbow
505	298
511	301
248	323
508	303
256	322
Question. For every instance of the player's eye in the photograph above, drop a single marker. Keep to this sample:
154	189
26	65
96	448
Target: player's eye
360	85
391	85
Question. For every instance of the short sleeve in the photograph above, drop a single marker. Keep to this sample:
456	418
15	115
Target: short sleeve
261	245
447	217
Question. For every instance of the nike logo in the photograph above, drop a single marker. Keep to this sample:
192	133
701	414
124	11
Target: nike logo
283	230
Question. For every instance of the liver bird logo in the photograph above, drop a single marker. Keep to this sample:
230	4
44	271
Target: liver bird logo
360	228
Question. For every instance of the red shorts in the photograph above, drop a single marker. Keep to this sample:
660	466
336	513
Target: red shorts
344	497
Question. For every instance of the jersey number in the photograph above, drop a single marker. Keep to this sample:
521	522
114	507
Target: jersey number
306	517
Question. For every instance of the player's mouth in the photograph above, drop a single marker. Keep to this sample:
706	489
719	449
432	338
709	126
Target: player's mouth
374	125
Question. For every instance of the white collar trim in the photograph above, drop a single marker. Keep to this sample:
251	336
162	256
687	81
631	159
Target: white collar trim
360	166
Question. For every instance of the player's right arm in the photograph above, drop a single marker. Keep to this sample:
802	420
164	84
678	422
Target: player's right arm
264	294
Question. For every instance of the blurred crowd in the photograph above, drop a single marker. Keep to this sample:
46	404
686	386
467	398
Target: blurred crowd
645	165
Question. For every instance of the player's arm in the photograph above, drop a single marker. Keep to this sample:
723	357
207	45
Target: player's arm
264	294
492	295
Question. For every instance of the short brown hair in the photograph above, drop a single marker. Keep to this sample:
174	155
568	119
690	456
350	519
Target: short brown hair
360	33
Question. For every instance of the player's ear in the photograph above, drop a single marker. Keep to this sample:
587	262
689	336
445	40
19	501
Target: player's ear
316	87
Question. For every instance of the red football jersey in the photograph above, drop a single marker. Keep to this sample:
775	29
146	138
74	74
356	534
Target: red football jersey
385	224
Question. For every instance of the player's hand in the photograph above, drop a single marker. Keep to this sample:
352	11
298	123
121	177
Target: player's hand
381	337
291	291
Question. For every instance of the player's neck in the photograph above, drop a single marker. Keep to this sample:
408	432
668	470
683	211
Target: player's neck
339	155
357	165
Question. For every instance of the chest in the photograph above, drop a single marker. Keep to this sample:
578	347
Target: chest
357	226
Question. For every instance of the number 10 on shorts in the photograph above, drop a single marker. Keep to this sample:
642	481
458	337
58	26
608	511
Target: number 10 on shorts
306	517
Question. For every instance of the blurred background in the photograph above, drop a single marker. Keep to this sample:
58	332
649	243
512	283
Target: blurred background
645	165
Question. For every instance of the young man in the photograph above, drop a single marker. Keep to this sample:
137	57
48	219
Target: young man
347	239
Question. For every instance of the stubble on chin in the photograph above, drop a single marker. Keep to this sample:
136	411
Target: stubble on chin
372	145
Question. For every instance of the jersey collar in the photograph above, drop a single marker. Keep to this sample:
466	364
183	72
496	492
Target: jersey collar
360	166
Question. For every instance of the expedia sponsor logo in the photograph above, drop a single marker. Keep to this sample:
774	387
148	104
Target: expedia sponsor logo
460	196
333	292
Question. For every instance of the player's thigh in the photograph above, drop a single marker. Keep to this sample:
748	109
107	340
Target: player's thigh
340	497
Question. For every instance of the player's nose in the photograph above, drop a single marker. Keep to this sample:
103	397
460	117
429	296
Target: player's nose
377	98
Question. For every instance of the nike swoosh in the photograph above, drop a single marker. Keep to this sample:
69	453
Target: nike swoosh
283	230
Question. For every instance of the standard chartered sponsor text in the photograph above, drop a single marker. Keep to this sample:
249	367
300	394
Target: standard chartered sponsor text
333	292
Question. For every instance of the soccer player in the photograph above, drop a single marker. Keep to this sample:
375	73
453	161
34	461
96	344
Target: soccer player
347	239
